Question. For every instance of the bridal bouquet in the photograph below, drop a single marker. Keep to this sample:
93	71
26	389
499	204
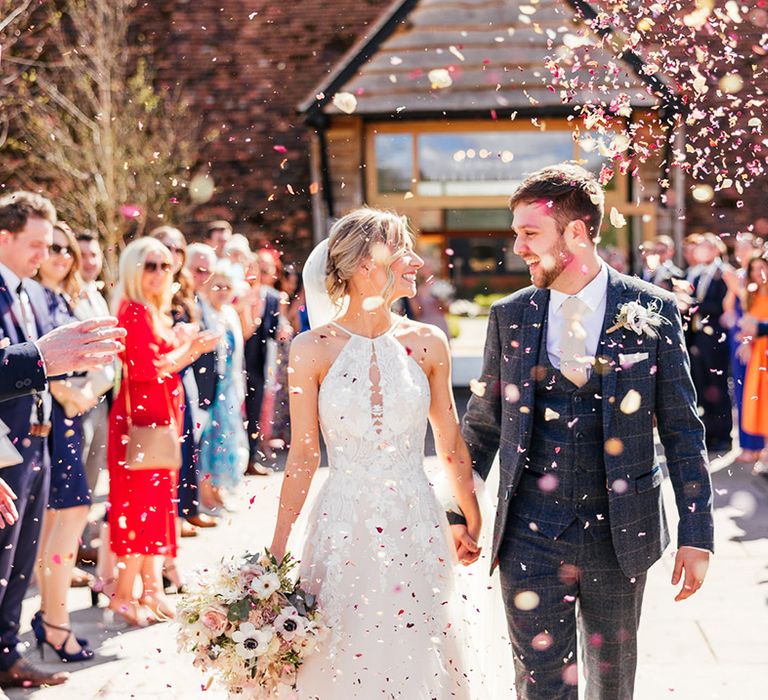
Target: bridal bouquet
250	625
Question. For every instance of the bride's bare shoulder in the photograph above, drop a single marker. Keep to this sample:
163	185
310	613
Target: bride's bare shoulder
423	332
319	344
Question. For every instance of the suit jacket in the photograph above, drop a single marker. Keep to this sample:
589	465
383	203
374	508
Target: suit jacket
256	346
22	371
709	293
665	273
205	366
500	421
16	413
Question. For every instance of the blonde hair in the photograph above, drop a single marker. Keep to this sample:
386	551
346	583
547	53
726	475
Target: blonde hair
353	238
131	271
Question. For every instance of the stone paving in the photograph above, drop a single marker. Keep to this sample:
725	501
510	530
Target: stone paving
714	646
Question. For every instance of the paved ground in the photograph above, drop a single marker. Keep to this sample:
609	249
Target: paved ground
712	646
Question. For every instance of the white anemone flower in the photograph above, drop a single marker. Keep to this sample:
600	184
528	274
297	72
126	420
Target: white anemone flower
251	642
289	624
264	586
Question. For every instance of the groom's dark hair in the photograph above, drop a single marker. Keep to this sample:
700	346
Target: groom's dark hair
571	191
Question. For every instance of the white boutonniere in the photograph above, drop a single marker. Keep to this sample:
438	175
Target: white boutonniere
643	320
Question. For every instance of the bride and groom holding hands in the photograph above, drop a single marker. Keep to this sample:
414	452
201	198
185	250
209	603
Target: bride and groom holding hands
578	370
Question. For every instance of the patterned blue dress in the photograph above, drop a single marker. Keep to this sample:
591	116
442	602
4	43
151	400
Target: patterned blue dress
224	442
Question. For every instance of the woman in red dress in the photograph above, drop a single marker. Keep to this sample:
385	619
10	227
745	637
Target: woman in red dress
142	512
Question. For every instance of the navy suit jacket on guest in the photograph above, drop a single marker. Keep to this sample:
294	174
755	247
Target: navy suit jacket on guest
16	414
256	346
204	367
657	368
21	371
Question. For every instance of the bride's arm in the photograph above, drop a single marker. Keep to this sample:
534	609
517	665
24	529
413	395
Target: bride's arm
304	452
450	445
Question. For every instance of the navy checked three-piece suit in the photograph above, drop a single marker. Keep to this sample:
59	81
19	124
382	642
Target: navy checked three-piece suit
580	514
29	480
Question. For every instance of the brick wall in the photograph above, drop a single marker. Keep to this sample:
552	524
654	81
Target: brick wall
245	66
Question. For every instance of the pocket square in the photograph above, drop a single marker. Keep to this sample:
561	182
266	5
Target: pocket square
632	358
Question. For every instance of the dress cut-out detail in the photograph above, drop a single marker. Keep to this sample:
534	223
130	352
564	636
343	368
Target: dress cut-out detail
377	551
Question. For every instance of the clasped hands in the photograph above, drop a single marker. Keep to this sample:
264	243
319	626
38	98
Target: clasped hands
465	540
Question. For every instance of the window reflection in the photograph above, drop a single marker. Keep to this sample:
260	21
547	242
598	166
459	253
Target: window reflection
394	162
485	163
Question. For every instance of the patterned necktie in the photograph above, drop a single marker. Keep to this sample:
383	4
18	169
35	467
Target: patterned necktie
573	363
27	318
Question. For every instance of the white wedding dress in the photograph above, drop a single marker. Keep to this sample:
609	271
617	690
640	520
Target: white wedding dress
377	551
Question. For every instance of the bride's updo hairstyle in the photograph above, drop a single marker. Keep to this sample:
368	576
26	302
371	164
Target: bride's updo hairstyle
361	234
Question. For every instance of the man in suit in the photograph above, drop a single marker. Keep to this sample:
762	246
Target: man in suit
76	347
26	232
571	394
708	343
264	312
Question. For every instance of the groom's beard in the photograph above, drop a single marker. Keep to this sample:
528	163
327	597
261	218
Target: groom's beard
551	265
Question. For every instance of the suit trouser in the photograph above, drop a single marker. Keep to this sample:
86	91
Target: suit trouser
18	542
578	581
254	398
189	475
710	362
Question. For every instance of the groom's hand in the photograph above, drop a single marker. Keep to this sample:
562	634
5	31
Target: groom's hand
467	550
694	562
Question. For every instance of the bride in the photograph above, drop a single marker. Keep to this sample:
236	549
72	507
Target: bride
378	551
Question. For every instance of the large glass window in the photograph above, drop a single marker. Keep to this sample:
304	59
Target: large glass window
485	163
394	162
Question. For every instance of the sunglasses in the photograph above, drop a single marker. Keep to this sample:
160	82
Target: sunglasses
150	266
57	249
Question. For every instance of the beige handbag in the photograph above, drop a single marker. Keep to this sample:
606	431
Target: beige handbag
151	446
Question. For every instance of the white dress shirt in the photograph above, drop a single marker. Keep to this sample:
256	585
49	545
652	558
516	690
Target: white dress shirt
594	296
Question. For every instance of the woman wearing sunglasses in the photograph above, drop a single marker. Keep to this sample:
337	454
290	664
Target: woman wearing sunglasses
184	310
70	497
142	513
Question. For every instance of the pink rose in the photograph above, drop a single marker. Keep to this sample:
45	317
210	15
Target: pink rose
214	618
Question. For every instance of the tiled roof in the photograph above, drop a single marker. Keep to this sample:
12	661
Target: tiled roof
494	52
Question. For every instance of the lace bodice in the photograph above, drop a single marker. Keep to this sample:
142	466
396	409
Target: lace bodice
373	407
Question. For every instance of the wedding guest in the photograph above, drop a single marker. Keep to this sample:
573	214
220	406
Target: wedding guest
184	309
261	325
710	357
70	496
26	232
201	260
91	304
217	235
224	444
755	408
429	304
616	258
744	249
691	256
238	251
142	511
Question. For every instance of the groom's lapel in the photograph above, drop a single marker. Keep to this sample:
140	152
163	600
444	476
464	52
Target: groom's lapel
611	344
533	322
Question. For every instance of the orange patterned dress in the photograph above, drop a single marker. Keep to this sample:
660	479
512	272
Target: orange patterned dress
754	417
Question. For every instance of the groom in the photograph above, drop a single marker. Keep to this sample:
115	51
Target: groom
572	393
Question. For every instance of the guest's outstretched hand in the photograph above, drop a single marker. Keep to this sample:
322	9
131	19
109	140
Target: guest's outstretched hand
691	564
